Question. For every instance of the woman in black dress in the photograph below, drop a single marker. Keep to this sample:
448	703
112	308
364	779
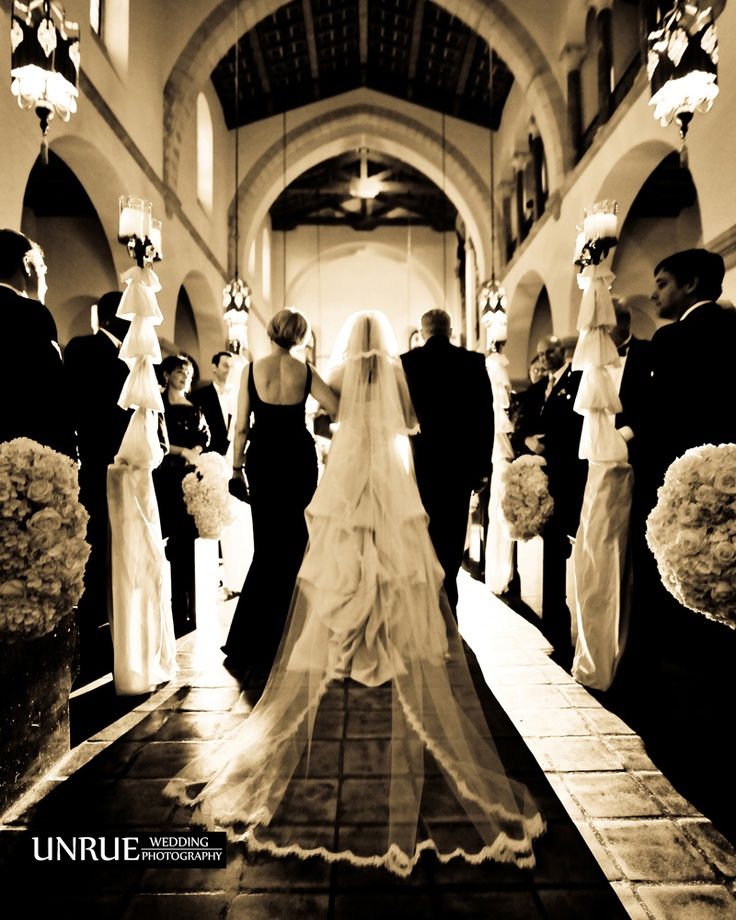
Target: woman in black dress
281	469
188	435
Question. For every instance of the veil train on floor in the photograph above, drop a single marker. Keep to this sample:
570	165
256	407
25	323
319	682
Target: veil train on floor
368	622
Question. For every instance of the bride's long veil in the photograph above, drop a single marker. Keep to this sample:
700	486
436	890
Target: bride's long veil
368	611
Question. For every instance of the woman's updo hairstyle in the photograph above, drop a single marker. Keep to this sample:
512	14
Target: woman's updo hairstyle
287	328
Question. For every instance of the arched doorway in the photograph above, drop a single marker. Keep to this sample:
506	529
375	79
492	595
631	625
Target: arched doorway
663	218
59	215
186	338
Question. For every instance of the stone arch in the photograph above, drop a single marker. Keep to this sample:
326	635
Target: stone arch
209	325
523	304
524	57
384	130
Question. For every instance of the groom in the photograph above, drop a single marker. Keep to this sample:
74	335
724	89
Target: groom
451	392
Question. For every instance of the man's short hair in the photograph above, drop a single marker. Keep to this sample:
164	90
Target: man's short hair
702	265
107	307
437	322
13	248
220	354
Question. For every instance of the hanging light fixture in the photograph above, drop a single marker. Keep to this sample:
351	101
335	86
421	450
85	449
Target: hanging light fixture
236	295
491	297
682	65
44	63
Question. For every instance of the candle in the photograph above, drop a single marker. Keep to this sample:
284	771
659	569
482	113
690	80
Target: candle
135	218
601	223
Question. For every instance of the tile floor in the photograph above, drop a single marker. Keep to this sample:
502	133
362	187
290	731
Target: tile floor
620	841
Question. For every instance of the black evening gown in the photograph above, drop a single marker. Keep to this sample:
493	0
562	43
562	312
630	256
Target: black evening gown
186	427
281	467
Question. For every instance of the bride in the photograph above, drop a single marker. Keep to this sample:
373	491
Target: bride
368	611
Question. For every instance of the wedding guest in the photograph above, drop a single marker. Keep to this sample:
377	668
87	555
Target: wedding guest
691	391
631	379
30	339
451	392
552	428
188	436
96	376
215	399
281	469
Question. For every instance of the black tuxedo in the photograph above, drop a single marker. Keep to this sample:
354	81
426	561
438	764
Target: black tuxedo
452	397
95	377
693	387
556	420
28	350
209	402
635	382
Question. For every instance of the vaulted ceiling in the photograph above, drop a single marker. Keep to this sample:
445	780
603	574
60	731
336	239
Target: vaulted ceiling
314	49
363	190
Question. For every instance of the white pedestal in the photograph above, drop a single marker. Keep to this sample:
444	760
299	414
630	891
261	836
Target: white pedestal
237	548
206	581
529	563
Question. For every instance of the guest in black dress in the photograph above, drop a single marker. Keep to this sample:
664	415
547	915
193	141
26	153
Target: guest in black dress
188	435
281	469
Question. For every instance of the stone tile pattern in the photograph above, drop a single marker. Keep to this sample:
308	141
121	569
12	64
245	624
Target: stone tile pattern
664	859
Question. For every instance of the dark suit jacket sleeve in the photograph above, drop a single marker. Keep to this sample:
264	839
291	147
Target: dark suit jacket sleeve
481	417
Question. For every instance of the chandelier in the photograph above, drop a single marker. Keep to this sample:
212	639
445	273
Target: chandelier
682	65
44	63
492	297
236	295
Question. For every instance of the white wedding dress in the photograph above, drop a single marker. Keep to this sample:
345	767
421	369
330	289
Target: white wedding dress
368	609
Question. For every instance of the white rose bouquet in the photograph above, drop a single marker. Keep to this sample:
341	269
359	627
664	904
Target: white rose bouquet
526	502
207	495
43	550
692	531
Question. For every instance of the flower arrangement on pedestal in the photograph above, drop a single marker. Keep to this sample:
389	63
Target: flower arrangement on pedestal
692	531
43	551
526	503
207	495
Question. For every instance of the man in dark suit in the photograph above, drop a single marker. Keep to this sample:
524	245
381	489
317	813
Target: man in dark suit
552	428
693	385
96	376
632	379
29	340
680	666
216	402
452	397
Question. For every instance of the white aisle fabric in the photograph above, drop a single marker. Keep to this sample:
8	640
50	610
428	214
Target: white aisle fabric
142	625
529	557
237	547
499	562
368	610
602	574
499	545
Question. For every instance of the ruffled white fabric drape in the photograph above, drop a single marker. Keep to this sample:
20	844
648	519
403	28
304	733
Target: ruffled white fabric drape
368	606
499	567
600	552
142	624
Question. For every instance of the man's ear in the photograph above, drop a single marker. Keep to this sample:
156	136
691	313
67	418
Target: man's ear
692	286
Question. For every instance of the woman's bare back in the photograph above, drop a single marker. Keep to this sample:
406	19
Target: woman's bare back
279	379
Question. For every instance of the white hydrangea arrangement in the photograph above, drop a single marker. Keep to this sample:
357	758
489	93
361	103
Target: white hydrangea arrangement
526	503
43	551
692	531
207	495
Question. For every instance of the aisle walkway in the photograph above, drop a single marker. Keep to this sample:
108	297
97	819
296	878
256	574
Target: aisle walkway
620	841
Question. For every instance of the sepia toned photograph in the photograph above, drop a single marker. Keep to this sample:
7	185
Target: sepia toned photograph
368	459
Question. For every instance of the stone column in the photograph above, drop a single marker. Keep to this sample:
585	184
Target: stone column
520	161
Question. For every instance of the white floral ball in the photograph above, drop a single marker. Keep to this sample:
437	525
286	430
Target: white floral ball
692	531
43	551
526	502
